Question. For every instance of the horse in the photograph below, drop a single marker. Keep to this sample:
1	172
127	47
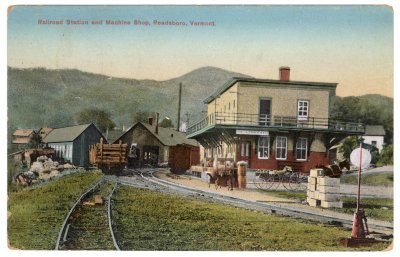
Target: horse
221	178
335	170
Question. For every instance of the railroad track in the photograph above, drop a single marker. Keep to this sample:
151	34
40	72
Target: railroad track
147	175
88	225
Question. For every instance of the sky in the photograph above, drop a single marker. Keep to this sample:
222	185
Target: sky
349	45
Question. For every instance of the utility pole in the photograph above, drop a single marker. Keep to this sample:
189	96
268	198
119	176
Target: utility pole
179	106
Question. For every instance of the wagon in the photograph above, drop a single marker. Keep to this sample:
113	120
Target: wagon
109	157
272	179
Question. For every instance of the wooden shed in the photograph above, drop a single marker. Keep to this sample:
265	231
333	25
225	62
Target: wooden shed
72	143
158	146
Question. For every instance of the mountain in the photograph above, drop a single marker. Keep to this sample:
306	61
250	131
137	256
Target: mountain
39	97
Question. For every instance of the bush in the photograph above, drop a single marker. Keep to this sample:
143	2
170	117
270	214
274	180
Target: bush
13	168
386	156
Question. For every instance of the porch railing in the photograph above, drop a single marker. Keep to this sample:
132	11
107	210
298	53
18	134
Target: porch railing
265	121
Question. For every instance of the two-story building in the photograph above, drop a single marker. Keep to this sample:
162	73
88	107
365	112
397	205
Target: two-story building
271	123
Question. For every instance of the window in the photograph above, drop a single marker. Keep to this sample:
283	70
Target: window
302	110
281	147
374	143
301	148
263	147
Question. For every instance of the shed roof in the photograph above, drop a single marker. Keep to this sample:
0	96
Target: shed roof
66	134
271	82
374	130
167	136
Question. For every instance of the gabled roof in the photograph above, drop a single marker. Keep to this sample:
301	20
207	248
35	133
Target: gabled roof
23	132
167	136
66	134
114	134
374	130
271	82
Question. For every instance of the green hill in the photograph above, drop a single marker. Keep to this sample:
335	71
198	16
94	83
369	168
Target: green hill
40	97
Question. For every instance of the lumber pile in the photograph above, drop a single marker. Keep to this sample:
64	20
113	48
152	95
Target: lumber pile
108	154
323	191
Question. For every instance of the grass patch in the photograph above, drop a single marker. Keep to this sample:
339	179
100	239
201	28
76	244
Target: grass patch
385	179
37	213
147	220
372	207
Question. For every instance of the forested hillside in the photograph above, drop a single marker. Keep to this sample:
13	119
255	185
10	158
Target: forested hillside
368	109
40	97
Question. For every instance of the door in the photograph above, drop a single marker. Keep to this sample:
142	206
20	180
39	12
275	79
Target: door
264	116
244	153
150	155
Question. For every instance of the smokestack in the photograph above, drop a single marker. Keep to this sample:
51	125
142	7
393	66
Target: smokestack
158	115
179	106
284	73
151	121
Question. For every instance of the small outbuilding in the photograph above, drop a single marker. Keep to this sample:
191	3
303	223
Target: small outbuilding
22	136
157	146
374	136
72	143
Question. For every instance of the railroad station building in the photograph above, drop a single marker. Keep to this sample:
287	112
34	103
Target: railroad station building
271	123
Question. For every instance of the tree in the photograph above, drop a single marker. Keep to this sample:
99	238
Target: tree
99	117
166	123
348	145
35	141
386	156
369	110
142	117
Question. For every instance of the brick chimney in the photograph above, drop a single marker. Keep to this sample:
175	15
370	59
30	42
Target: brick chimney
284	73
158	115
